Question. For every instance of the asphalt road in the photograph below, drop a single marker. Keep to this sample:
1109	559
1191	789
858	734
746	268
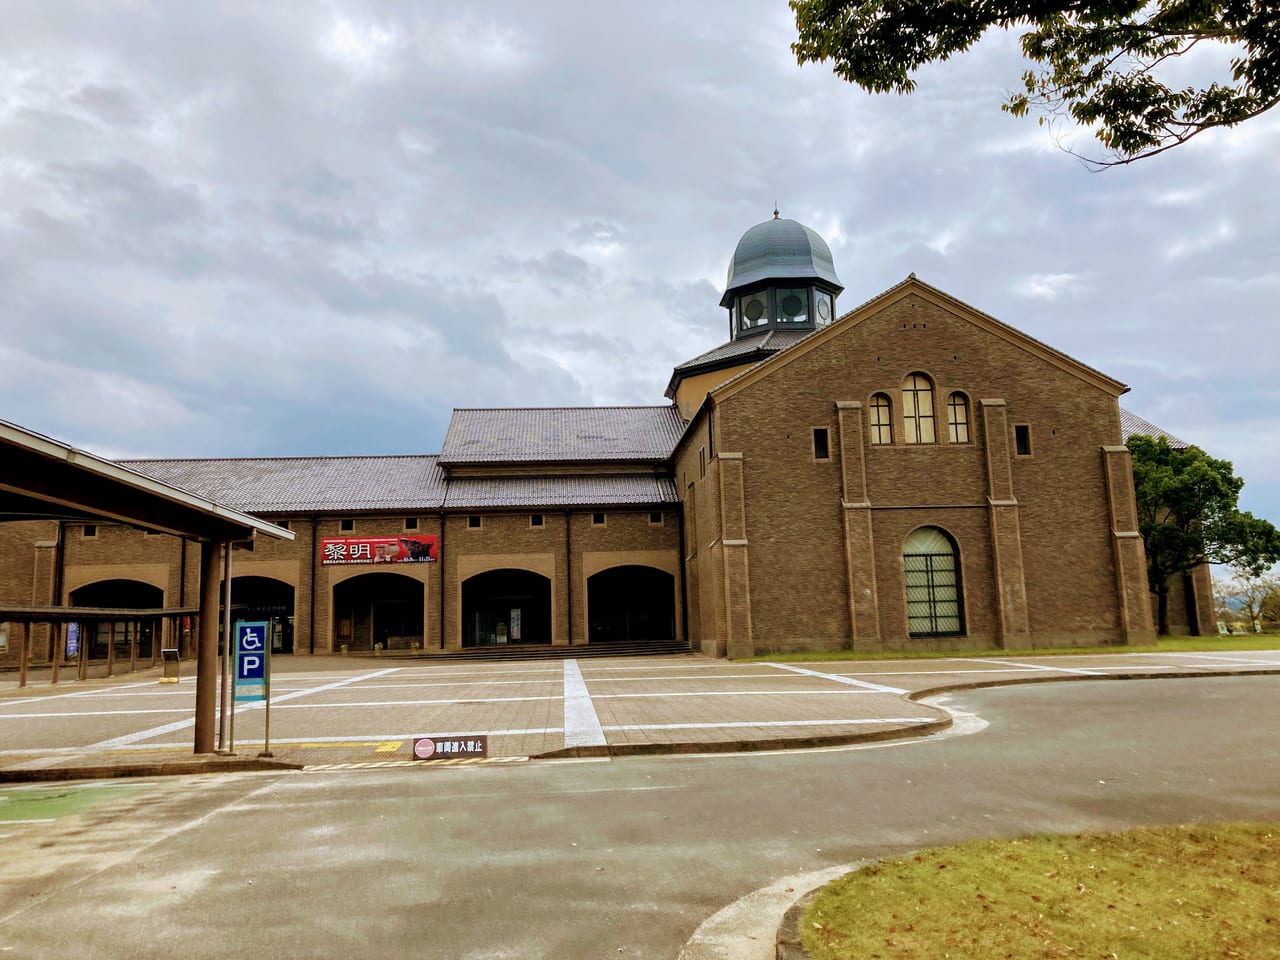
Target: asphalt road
608	858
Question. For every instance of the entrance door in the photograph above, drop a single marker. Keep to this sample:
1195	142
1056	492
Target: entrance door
506	606
631	604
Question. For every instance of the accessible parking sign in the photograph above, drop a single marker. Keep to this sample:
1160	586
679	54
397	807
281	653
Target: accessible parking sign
253	671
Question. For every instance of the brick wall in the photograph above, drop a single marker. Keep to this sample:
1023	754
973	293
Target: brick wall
799	585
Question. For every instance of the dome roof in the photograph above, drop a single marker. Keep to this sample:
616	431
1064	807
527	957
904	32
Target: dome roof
779	250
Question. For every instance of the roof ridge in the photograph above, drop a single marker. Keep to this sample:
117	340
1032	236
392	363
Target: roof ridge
614	406
331	457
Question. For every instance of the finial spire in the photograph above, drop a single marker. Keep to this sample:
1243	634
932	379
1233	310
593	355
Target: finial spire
775	209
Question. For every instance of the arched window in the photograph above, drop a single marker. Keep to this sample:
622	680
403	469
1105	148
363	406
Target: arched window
917	408
881	419
958	418
931	563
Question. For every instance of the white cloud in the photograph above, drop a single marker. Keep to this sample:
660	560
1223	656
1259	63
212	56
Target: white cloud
1048	286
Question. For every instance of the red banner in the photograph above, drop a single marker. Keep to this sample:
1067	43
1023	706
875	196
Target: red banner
379	549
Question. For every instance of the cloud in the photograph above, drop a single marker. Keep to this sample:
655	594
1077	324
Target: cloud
301	228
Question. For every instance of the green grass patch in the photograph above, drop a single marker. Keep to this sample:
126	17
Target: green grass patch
1186	892
1264	641
50	803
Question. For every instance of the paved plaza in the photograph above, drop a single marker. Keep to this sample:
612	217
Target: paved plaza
354	712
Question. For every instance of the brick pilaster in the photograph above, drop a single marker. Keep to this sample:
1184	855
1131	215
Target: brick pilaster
1006	529
1132	591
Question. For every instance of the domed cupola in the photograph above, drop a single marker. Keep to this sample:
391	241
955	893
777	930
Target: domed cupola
781	277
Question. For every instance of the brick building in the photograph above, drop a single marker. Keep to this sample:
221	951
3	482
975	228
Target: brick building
912	472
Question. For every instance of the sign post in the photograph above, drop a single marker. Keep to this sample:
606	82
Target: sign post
253	670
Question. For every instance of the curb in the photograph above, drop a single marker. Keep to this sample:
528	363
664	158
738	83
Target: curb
788	945
925	729
176	768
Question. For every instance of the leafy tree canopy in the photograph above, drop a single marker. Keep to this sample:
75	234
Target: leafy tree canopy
1098	63
1188	515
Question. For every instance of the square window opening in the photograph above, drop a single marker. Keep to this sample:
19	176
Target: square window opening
411	523
473	523
89	531
346	526
597	519
655	518
535	520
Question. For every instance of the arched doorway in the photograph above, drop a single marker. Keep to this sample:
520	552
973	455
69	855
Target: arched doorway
935	600
378	608
631	604
265	599
120	634
506	606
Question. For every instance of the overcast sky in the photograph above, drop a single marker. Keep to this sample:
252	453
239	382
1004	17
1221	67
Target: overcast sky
248	229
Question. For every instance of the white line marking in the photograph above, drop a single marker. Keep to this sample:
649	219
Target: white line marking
838	678
1244	661
94	713
332	704
132	738
581	724
1033	666
861	721
659	694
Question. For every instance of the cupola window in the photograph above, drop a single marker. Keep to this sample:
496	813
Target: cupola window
793	306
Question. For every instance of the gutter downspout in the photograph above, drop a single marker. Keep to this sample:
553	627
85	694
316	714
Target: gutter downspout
311	631
684	583
56	634
440	565
568	567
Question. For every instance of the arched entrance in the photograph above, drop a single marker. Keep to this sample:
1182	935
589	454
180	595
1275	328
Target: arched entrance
120	634
631	604
506	606
935	599
264	598
378	608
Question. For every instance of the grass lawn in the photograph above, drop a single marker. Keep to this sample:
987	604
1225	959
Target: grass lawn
1261	641
1179	892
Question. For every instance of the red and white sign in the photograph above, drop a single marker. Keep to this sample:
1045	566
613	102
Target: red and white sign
379	549
451	748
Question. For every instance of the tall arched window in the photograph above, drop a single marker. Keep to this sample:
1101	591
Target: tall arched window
958	418
931	562
917	408
881	419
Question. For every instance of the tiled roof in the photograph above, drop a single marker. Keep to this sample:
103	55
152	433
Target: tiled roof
306	484
560	492
1131	423
561	434
762	344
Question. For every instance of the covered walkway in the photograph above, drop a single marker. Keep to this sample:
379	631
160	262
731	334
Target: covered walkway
44	479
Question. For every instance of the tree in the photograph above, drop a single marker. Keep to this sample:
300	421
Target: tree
1247	592
1104	65
1269	610
1188	516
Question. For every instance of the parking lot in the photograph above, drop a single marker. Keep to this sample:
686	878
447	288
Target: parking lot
327	711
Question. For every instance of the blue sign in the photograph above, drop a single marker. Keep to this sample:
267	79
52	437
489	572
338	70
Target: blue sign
253	673
73	640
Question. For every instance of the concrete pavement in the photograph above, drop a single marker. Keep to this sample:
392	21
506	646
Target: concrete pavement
353	713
